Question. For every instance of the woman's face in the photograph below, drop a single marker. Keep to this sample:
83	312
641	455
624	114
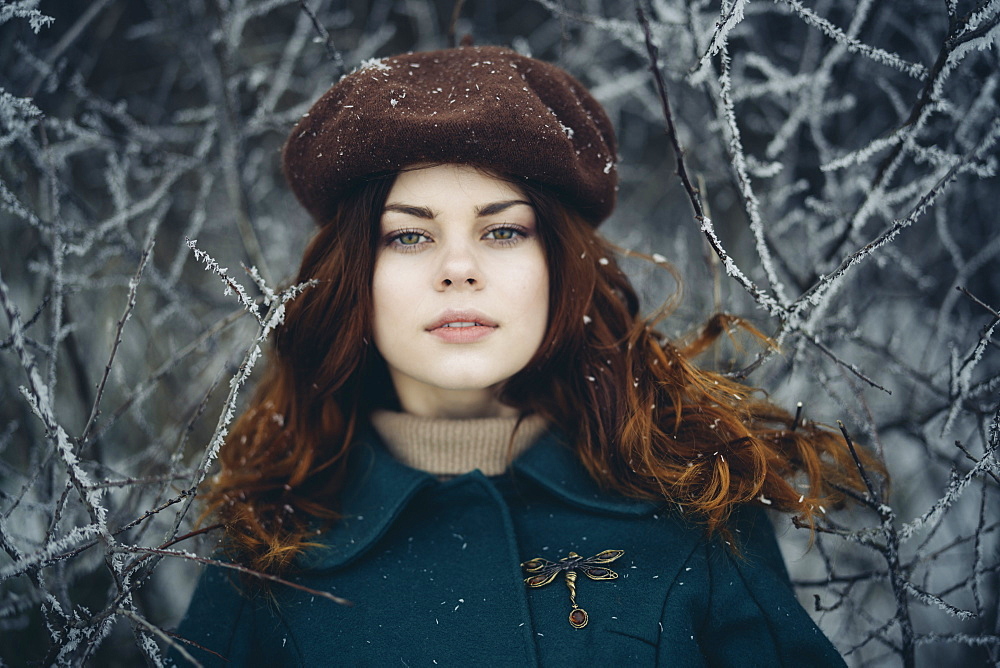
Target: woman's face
461	289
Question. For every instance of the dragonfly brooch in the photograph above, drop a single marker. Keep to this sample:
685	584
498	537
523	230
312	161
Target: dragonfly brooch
542	571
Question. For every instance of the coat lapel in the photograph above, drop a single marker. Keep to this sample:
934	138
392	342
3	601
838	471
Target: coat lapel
552	464
380	488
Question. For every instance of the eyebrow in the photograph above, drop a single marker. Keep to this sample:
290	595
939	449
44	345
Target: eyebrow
410	210
490	209
497	207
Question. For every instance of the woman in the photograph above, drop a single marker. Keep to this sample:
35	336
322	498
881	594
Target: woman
468	431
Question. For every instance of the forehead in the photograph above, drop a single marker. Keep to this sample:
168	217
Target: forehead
451	183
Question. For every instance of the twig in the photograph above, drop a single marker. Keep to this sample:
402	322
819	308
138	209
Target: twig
133	287
9	341
992	311
331	51
231	146
65	41
239	569
922	107
972	459
661	88
816	293
157	631
915	70
80	549
897	573
705	223
850	367
161	372
456	12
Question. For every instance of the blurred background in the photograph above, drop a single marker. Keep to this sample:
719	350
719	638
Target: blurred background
846	154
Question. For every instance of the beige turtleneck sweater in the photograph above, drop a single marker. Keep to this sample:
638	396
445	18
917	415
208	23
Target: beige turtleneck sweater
447	448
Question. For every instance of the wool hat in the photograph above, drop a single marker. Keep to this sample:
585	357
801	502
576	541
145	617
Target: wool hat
480	105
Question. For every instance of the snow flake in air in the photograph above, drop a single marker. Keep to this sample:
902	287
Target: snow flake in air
374	64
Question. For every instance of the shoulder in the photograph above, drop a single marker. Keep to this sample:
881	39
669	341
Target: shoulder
228	622
750	606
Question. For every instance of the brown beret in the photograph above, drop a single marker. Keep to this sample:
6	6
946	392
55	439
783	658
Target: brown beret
485	106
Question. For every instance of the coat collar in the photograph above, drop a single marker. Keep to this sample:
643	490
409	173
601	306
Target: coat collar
380	488
553	465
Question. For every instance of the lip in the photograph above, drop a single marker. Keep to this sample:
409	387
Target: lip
483	328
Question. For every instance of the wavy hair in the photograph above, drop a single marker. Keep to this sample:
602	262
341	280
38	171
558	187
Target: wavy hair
655	425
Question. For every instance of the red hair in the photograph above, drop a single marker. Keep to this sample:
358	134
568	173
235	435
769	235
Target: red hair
655	425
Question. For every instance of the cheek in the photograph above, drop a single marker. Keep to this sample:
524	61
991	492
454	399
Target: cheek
541	297
388	292
530	280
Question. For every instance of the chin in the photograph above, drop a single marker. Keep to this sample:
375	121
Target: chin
465	383
468	376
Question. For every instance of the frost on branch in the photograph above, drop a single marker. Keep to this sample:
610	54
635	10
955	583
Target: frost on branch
24	9
841	158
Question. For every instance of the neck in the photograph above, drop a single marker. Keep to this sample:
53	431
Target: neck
434	402
447	448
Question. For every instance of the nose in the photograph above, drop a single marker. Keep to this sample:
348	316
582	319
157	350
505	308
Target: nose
459	268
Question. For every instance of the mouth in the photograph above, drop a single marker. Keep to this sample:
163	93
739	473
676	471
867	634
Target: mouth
462	320
462	326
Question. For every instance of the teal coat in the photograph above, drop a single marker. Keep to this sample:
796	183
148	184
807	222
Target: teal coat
433	571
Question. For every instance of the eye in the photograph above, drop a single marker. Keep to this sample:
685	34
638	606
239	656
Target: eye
406	239
505	233
410	238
